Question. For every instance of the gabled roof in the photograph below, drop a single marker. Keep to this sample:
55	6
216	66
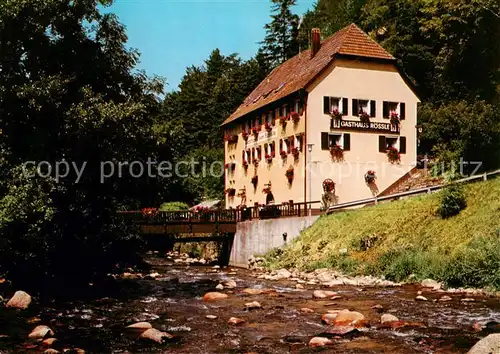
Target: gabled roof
297	72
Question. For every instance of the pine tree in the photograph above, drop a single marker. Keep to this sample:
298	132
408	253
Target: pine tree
280	43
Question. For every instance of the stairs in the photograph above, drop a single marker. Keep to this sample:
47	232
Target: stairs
415	179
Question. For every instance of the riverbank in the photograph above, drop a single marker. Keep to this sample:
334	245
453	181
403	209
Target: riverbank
406	239
253	312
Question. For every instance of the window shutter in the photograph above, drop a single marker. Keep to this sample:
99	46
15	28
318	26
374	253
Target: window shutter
373	108
386	109
345	107
326	105
402	108
347	142
382	147
331	123
324	141
355	107
402	145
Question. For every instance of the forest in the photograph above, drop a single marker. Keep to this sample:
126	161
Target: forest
69	91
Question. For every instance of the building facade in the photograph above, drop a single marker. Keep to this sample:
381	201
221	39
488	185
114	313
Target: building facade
340	112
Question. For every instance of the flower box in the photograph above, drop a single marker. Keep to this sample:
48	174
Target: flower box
370	177
295	117
393	155
266	190
283	121
146	212
283	154
335	113
394	118
289	174
256	162
296	152
230	166
337	153
245	134
231	138
256	130
245	164
364	117
268	127
231	192
269	158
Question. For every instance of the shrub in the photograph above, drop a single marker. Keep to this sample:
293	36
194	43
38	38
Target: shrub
452	201
174	206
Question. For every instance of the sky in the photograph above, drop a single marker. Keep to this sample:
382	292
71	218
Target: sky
174	34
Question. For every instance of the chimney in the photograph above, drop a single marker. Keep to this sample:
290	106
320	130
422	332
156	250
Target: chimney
315	41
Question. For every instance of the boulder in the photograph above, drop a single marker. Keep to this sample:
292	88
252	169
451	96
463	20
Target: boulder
488	345
329	318
136	329
40	333
283	274
320	342
214	296
429	283
21	300
219	287
229	284
49	342
299	286
350	318
324	277
386	317
234	321
155	335
321	294
252	305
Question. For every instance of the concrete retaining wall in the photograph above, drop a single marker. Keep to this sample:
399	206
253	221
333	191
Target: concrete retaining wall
260	236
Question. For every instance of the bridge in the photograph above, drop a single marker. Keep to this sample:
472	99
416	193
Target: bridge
162	229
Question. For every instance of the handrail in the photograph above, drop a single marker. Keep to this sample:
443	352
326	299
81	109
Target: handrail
376	199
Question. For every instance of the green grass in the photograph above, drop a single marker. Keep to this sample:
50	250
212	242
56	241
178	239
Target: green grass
406	237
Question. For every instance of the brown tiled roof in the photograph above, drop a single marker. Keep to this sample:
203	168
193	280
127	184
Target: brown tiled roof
297	72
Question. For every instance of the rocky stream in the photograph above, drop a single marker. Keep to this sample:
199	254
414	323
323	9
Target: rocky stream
186	308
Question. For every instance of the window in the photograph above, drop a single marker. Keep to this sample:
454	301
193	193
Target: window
385	142
366	106
284	110
296	107
277	112
270	149
396	107
270	117
328	140
331	103
299	141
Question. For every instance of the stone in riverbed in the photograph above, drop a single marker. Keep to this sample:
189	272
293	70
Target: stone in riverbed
49	342
253	305
329	318
136	329
467	300
40	332
234	321
421	298
401	324
387	317
378	308
21	300
229	284
320	342
488	345
429	283
341	331
350	318
445	298
324	278
306	310
51	351
155	335
211	317
214	296
250	291
219	287
321	294
299	286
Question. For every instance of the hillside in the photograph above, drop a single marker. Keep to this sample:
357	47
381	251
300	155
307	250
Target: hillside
407	237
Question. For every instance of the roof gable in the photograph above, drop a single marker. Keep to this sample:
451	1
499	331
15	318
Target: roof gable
297	72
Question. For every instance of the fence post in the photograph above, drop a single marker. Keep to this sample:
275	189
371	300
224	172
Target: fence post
485	177
376	200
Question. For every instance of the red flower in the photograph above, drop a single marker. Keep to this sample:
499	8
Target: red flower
393	155
394	118
335	113
255	130
268	127
283	154
245	135
295	152
337	152
364	117
149	211
283	121
289	174
295	117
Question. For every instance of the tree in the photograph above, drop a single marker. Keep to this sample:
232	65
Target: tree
281	40
68	94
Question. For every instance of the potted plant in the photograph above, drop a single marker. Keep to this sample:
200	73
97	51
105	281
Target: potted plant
255	130
295	117
266	190
268	127
337	152
394	118
245	134
295	152
370	177
255	181
283	154
245	165
289	174
231	192
328	185
364	117
231	138
256	162
393	155
269	158
335	113
283	121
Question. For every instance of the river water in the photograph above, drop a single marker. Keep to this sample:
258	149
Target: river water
173	303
